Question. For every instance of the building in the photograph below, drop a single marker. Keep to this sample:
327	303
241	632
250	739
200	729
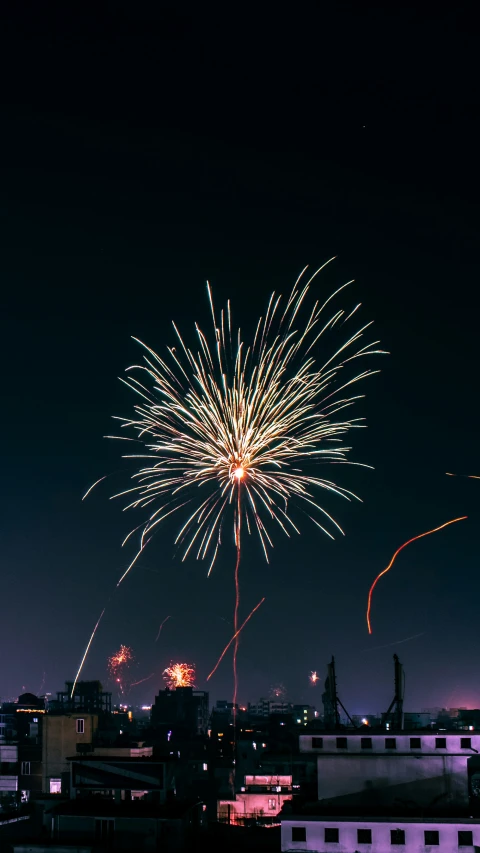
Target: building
266	707
183	710
304	714
87	696
356	769
8	775
64	734
260	798
379	835
128	826
120	778
28	724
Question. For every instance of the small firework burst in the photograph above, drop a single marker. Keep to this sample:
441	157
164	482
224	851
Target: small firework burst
314	678
278	693
179	675
118	665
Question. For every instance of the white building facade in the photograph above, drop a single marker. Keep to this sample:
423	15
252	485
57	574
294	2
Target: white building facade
419	769
352	835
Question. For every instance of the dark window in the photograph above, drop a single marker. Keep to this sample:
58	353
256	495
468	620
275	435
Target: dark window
415	743
317	742
341	742
397	836
104	829
432	836
440	743
466	742
390	743
331	833
299	833
364	836
366	742
25	768
465	838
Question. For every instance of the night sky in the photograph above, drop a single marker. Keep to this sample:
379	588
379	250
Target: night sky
155	147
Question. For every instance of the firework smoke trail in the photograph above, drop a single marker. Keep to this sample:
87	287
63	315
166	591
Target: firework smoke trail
179	675
161	626
246	423
387	569
234	638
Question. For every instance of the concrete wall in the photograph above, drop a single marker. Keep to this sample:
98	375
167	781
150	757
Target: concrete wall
383	780
427	774
142	834
381	839
428	743
59	742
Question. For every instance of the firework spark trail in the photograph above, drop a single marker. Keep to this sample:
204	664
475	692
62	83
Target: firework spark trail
87	650
179	675
246	423
161	626
234	638
148	677
387	569
465	476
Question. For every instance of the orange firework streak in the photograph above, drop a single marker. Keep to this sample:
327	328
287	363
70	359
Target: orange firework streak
414	538
235	636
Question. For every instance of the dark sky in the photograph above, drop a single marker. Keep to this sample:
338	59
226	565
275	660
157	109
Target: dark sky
150	148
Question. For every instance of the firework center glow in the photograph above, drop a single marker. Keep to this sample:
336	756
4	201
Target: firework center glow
239	473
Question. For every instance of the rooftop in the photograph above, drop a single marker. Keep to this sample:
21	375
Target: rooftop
98	807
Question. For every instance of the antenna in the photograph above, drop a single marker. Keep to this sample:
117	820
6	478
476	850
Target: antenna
331	701
395	711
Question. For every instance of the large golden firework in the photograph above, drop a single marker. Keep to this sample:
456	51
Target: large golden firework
236	432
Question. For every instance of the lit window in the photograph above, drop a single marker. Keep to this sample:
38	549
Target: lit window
299	833
432	836
55	786
80	726
331	835
465	838
35	719
205	766
272	804
25	768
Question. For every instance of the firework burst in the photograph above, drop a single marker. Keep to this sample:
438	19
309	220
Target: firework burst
313	678
179	675
118	666
234	433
